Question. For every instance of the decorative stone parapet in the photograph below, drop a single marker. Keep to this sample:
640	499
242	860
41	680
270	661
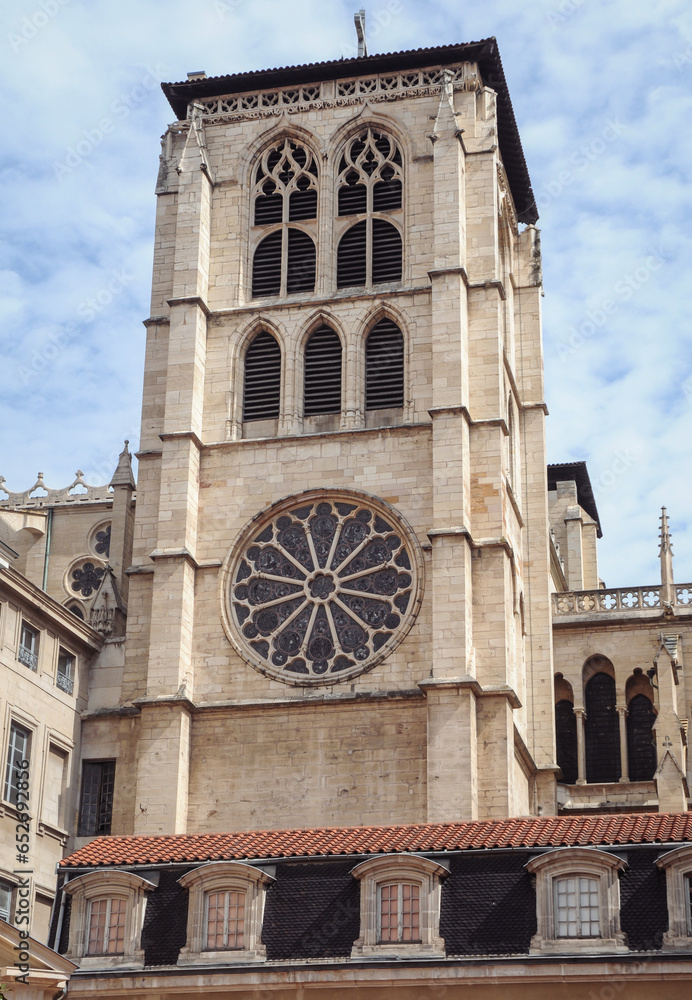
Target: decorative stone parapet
619	599
377	87
48	497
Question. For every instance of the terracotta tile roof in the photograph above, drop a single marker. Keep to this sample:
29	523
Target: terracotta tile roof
555	831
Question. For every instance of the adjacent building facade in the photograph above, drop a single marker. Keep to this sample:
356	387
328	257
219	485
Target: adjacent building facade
347	597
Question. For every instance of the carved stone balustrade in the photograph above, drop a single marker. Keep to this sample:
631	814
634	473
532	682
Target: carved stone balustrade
620	601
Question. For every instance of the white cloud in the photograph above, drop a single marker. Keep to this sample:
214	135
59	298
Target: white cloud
623	398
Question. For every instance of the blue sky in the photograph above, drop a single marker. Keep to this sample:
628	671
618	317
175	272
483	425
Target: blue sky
603	99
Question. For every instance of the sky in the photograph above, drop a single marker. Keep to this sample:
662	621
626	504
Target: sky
602	95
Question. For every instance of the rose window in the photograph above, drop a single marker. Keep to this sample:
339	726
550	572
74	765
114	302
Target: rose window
321	588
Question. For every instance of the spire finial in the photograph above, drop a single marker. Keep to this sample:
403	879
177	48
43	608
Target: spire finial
666	556
123	473
359	20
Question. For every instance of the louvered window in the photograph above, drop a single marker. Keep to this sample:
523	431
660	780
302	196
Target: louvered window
384	366
641	752
262	384
601	730
322	373
285	192
370	186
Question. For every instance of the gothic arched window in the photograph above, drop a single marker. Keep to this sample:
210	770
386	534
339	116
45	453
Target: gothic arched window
641	750
262	378
285	192
601	730
322	373
384	366
370	188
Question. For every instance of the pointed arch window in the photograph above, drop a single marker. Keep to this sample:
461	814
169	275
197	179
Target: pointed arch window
322	373
641	751
262	378
601	730
370	187
284	193
384	366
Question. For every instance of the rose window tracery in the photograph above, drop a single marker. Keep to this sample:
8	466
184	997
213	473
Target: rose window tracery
322	587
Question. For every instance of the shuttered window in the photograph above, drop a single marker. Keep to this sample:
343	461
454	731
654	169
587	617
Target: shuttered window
285	191
370	186
601	730
322	373
262	382
384	366
641	752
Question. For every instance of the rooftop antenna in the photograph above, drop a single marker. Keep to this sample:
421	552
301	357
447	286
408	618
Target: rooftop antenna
359	20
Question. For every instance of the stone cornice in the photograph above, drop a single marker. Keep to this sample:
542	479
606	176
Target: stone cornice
59	617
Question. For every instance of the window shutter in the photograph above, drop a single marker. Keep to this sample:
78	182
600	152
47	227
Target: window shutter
268	207
302	262
351	269
266	266
323	373
386	196
353	197
386	252
384	366
302	205
262	384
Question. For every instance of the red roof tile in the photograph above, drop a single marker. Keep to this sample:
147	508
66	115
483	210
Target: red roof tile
550	831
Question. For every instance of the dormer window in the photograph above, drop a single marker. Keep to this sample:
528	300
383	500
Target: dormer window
677	865
577	902
399	912
106	919
106	926
399	906
224	920
225	912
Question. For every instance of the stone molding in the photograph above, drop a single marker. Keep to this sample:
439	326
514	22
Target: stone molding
677	865
574	862
224	876
383	870
111	885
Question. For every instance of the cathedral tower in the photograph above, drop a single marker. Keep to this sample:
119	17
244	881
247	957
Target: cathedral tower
339	603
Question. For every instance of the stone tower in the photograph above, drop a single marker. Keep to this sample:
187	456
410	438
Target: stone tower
339	601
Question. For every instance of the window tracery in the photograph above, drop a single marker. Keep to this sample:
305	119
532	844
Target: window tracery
321	587
285	192
370	187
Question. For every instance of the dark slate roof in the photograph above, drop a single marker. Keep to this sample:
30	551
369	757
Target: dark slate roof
488	905
545	831
577	472
484	52
487	908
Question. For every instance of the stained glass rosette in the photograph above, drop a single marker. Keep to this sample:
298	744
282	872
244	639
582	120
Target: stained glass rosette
322	587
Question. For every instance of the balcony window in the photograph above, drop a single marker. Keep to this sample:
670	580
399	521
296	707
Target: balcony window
28	646
66	671
16	780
